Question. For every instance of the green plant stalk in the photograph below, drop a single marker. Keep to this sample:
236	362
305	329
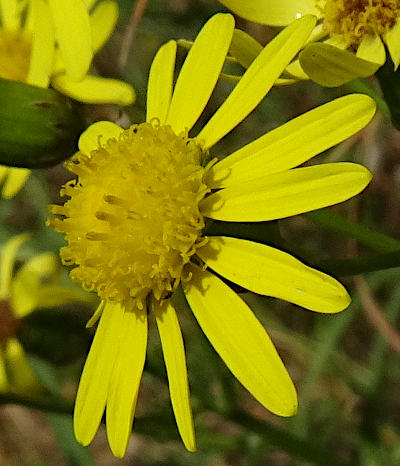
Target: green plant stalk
335	222
358	265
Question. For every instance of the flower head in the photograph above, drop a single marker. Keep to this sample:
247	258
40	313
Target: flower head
52	42
36	284
353	34
135	226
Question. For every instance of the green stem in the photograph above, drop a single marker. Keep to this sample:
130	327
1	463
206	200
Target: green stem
359	265
49	404
332	221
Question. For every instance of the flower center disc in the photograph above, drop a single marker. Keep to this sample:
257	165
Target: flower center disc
133	221
354	19
15	52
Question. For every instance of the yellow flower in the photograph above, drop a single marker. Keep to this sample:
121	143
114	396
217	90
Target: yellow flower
20	294
52	43
353	33
135	227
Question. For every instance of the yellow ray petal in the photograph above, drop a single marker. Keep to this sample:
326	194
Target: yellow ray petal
43	43
257	80
241	341
271	272
288	193
124	385
10	15
102	23
28	281
274	13
93	386
89	3
336	41
372	49
295	69
244	48
95	89
14	182
318	33
8	255
159	88
72	26
295	142
330	66
3	172
96	315
200	72
175	361
392	39
97	135
22	378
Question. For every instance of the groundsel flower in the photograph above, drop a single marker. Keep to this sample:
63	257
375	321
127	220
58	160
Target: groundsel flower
135	227
354	34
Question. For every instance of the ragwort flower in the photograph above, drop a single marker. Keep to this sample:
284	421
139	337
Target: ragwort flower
354	35
135	227
52	42
35	285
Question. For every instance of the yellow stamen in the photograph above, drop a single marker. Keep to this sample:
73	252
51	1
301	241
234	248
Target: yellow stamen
132	221
354	19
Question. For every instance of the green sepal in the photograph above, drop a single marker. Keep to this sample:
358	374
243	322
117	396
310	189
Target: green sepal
389	80
38	127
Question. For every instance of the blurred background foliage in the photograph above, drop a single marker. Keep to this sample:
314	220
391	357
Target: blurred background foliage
346	367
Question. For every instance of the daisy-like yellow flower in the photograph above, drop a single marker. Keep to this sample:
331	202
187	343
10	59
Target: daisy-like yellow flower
36	284
353	34
52	42
135	225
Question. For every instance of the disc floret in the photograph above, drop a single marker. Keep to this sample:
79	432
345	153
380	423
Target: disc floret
355	19
132	221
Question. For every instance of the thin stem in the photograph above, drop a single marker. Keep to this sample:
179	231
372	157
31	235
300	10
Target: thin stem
358	265
331	220
49	404
127	41
375	314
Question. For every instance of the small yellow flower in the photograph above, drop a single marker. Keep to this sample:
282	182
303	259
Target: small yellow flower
353	34
34	285
52	43
135	227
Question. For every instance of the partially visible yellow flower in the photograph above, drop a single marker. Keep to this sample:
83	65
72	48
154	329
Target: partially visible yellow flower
135	225
36	284
353	34
52	42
